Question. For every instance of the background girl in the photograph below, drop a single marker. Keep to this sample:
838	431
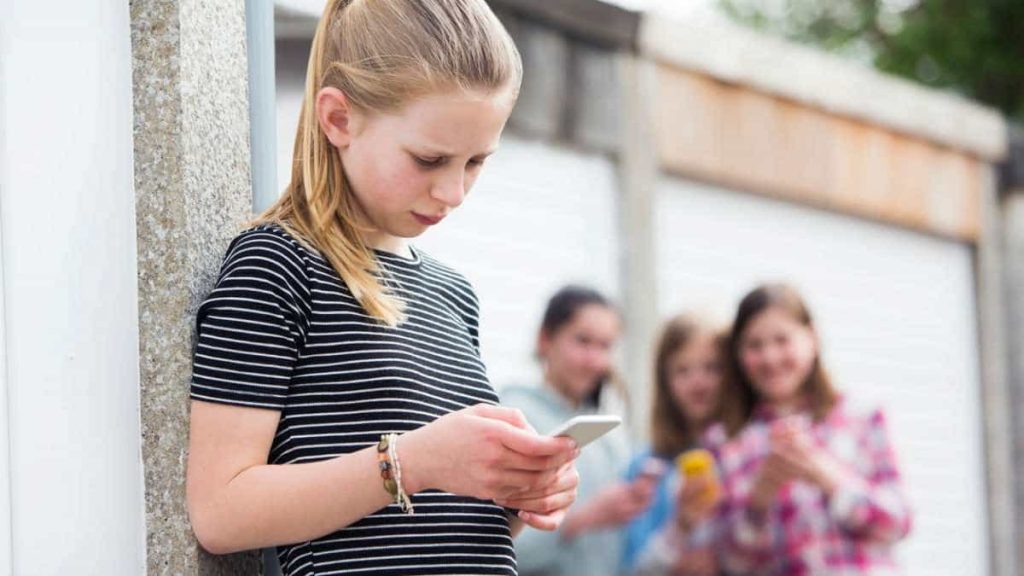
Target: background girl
575	345
811	482
674	535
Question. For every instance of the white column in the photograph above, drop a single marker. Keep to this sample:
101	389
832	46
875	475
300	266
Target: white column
996	397
638	176
70	324
6	562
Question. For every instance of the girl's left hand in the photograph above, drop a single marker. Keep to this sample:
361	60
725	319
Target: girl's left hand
812	461
545	507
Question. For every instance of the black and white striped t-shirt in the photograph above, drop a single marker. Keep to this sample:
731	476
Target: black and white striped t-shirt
281	331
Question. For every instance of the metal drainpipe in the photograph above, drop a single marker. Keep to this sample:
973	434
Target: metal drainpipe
259	34
259	37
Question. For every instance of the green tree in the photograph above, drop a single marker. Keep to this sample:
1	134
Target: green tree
975	47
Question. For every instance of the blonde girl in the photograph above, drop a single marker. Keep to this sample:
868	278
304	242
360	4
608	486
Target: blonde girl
340	410
675	536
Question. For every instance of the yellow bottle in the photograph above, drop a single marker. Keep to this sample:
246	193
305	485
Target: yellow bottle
695	462
700	463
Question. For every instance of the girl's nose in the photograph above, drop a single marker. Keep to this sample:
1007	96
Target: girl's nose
450	189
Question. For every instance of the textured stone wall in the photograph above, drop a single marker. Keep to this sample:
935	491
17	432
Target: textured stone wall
193	194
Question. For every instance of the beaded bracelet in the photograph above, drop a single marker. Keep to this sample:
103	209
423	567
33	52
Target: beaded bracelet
391	471
385	466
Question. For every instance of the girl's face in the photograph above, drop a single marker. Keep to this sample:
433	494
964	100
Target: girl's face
777	353
578	355
409	169
695	378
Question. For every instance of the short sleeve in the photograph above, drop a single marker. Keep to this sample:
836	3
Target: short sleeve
251	326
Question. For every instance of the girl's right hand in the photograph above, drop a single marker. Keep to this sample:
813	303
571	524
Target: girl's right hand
774	472
613	506
486	452
696	500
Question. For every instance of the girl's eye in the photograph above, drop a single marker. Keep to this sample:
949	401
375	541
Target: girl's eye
476	162
429	162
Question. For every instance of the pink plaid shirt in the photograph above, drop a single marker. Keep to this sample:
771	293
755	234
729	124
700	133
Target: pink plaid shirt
805	532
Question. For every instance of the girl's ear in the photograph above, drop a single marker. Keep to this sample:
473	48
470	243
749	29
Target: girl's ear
543	343
334	115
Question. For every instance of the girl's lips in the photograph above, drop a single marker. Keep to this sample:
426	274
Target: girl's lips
427	220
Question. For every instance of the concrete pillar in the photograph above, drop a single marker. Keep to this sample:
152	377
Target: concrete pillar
193	194
996	389
1013	273
1013	246
638	177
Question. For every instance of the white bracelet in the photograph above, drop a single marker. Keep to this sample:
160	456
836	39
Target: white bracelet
401	497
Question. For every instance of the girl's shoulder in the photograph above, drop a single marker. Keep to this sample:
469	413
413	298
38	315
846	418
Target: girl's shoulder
714	437
529	399
273	240
852	412
269	252
640	456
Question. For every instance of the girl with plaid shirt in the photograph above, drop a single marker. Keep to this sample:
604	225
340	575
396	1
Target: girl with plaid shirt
811	483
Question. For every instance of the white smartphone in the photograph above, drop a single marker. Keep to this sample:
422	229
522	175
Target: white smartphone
586	429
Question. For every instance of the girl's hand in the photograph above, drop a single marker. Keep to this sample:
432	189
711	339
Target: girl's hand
695	501
811	461
613	506
545	508
700	562
487	452
774	472
621	502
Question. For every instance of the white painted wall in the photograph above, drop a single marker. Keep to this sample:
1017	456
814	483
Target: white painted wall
6	565
69	289
896	311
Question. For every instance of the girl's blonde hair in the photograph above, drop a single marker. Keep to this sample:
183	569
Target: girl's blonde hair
381	54
671	431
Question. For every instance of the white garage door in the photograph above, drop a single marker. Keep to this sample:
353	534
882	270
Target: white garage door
538	217
896	311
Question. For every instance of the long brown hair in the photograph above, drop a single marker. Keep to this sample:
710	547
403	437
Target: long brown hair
381	54
739	396
671	430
